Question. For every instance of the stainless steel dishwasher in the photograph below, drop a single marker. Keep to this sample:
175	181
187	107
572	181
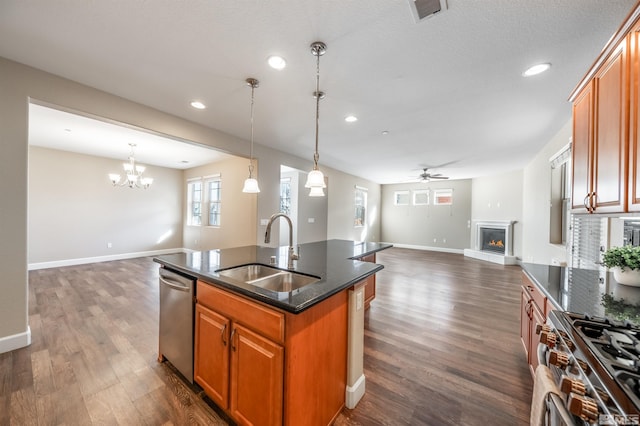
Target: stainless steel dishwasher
177	295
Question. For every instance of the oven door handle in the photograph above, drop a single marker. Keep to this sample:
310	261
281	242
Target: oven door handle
560	408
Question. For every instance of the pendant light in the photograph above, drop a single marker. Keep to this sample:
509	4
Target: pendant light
315	178
251	184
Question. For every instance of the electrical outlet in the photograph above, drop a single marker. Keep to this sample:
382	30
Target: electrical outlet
312	220
109	245
359	300
444	240
195	241
264	222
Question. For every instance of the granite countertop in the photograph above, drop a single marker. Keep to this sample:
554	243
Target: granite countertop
333	261
586	291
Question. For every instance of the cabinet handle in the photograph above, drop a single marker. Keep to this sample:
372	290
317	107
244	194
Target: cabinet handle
222	334
233	332
584	202
593	201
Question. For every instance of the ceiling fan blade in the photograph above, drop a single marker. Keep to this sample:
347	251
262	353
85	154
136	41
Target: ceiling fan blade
439	177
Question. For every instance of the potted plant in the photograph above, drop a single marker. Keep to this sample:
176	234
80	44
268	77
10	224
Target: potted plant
624	262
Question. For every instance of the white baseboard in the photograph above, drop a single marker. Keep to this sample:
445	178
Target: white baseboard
355	393
429	248
16	341
84	260
490	257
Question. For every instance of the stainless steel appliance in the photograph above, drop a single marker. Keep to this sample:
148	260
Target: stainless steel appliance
177	296
596	364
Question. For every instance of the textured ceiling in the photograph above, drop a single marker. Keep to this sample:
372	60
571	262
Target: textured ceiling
447	89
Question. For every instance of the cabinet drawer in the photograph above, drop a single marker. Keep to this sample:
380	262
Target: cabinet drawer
534	292
261	319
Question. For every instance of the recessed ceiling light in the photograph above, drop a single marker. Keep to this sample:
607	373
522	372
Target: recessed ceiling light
351	118
536	69
277	62
385	132
198	105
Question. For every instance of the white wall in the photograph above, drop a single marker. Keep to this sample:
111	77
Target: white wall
74	210
499	197
340	198
537	189
342	208
429	227
238	210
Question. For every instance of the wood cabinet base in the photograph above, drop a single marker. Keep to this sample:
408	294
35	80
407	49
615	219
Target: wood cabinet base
263	366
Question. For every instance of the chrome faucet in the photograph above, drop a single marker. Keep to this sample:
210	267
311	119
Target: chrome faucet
267	237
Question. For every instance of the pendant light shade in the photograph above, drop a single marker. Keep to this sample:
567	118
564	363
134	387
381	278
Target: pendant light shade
315	178
251	184
316	191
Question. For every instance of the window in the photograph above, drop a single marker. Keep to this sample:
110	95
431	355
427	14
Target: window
360	217
214	188
442	197
194	203
401	198
285	196
420	197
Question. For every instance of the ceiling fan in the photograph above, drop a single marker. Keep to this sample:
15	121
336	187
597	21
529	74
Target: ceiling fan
425	176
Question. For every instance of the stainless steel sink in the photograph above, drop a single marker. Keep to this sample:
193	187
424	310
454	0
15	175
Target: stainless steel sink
268	278
248	273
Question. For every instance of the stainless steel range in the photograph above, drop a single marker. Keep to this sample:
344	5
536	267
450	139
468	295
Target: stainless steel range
596	364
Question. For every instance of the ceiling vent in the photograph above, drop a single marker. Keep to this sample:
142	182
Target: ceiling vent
423	9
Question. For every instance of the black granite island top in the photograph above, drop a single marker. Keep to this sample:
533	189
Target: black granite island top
333	261
586	291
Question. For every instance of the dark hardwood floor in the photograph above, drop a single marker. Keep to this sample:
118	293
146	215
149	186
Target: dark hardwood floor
441	348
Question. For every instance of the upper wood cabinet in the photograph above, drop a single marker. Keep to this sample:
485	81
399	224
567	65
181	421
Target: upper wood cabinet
582	151
600	138
634	120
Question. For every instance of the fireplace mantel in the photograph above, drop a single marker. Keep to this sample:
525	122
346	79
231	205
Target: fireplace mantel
508	258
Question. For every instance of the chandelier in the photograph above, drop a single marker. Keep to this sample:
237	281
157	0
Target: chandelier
133	172
315	178
251	184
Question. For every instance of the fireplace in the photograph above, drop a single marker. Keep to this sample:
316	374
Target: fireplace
493	240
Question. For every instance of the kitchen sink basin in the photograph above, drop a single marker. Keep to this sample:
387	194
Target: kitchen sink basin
248	273
268	278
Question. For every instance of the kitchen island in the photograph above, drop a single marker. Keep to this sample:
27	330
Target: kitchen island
281	357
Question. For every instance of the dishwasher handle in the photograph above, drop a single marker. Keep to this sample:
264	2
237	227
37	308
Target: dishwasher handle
176	285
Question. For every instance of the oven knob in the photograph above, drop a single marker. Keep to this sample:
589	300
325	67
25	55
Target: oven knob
542	327
559	359
569	385
584	366
570	345
548	339
583	407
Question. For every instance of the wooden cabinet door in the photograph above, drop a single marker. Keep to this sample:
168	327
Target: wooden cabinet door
257	374
211	354
536	319
634	122
370	284
611	134
525	320
581	150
